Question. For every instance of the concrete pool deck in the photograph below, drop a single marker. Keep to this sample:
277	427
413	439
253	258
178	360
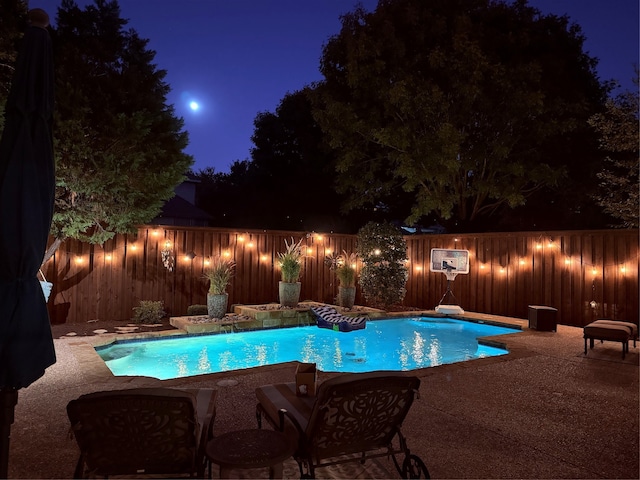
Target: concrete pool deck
545	410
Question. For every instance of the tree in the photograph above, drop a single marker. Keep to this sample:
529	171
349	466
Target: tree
289	181
455	108
118	145
619	133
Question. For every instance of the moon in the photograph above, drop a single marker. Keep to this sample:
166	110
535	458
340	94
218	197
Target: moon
194	106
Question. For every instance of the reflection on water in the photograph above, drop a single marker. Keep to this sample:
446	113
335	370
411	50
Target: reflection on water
261	354
204	365
399	344
337	354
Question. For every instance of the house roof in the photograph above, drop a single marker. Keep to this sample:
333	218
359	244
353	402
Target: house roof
178	207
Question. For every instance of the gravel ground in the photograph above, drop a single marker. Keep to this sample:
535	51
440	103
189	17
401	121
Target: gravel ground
544	411
89	328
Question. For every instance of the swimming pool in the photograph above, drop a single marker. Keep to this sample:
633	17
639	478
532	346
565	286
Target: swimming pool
395	344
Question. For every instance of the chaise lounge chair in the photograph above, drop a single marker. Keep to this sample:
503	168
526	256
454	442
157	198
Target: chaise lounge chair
351	414
145	431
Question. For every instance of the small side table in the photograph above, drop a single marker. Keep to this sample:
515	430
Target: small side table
543	318
249	449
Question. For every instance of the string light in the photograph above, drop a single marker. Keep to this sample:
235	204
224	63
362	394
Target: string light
523	261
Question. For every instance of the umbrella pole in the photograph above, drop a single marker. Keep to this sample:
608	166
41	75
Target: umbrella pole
8	402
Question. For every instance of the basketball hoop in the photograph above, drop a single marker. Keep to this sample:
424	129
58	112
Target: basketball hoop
451	276
451	263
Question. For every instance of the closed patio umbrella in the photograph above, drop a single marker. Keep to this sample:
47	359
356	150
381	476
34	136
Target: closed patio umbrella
27	188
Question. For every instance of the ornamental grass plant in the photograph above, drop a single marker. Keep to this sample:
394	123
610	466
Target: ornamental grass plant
344	266
219	274
290	261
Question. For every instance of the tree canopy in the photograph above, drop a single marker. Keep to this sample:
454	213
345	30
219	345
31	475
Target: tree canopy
456	108
118	145
619	131
289	181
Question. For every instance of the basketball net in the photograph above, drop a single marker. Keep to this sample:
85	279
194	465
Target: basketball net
451	275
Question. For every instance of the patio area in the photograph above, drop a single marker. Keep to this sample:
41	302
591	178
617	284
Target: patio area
544	411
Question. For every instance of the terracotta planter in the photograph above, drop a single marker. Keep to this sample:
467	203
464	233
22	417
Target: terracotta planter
217	304
289	293
346	296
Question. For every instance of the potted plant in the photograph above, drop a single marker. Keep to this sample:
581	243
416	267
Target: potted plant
345	268
290	262
219	275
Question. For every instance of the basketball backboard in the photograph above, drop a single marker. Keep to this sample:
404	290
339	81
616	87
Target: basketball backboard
449	261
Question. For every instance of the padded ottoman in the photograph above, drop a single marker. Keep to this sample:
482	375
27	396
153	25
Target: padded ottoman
633	328
605	331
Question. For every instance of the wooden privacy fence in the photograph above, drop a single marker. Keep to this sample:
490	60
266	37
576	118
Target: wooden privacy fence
584	274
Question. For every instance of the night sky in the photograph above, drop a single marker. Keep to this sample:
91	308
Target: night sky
236	58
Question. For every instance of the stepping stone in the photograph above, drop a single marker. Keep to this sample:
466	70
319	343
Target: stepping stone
126	329
100	331
70	334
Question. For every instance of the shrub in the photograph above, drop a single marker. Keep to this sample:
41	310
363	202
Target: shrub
195	310
148	312
384	275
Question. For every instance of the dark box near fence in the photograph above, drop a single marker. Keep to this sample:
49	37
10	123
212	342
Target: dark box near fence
543	318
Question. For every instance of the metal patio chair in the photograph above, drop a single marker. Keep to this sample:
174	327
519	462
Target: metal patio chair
144	431
353	417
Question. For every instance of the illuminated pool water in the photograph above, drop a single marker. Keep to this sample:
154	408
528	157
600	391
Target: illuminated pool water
398	344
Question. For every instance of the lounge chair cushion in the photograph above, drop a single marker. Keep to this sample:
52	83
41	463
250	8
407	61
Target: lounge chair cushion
274	397
328	317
